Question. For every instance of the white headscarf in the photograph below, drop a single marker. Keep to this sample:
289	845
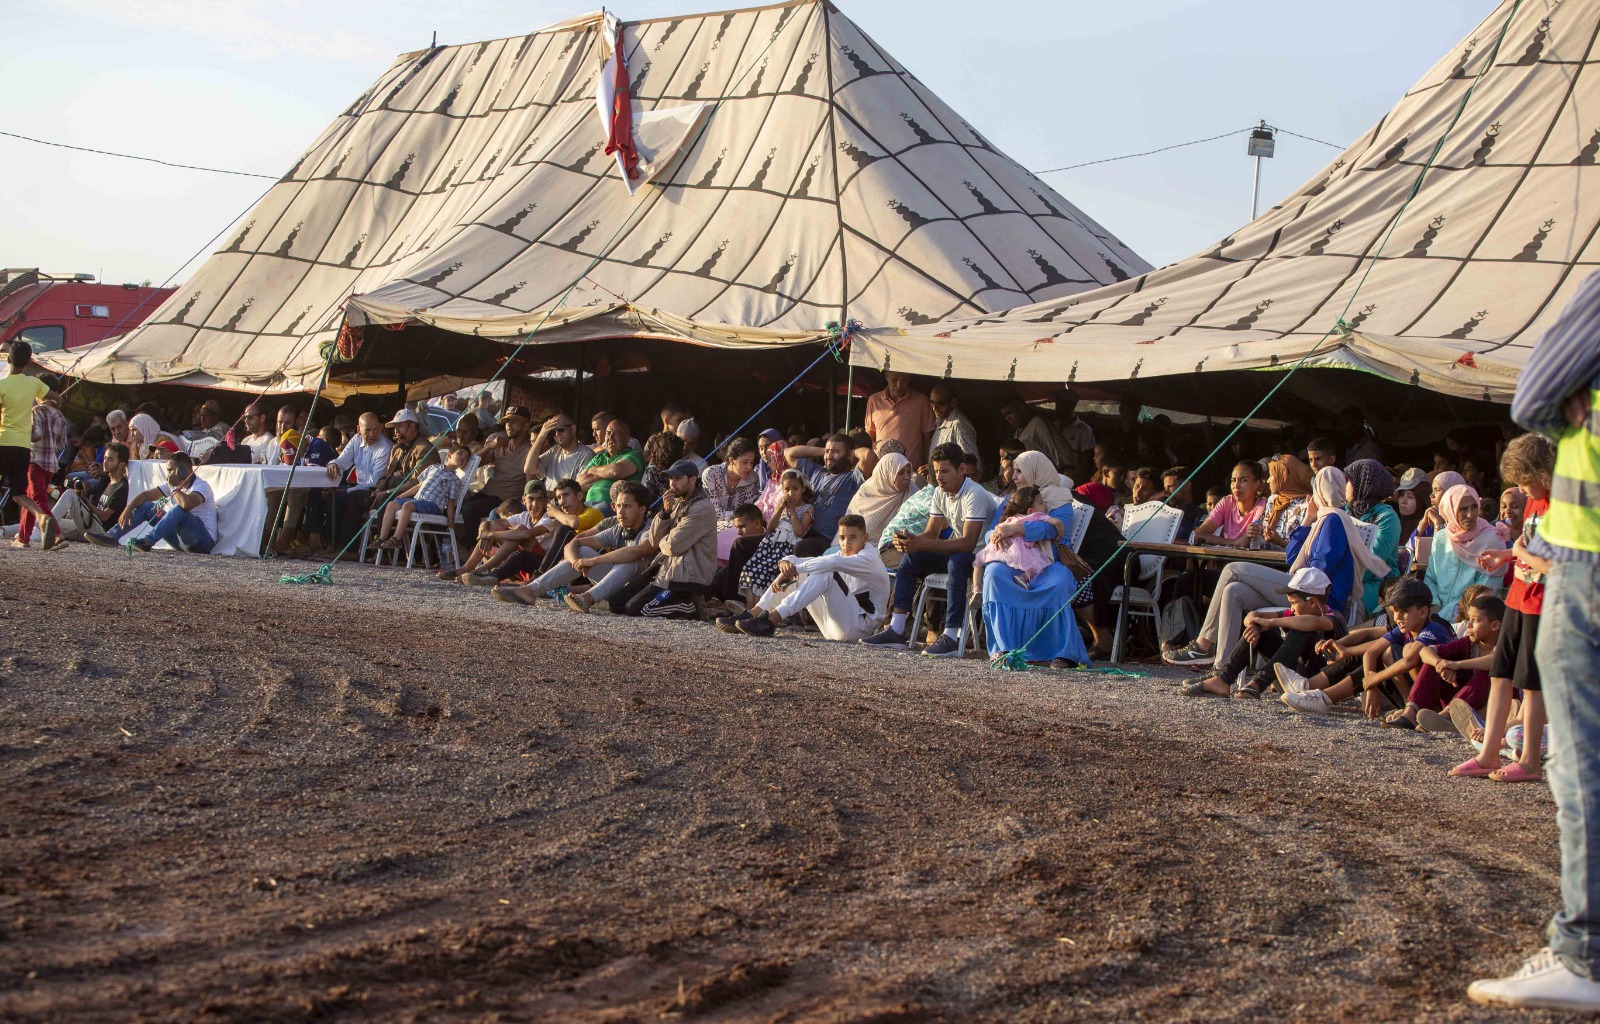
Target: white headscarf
877	500
149	433
1034	469
1328	490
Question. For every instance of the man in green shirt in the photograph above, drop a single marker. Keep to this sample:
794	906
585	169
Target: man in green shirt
614	461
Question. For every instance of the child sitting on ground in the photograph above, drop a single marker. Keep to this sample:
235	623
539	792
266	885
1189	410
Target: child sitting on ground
433	494
1453	561
790	521
1457	670
501	537
1029	558
1469	595
1529	462
1289	639
1369	661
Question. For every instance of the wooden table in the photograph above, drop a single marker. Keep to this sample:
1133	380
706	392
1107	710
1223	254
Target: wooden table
1201	552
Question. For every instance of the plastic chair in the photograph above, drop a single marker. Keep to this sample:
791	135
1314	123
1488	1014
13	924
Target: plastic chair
440	527
1081	512
971	626
1142	601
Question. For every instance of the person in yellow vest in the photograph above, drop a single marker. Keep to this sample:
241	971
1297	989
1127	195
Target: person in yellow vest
1558	394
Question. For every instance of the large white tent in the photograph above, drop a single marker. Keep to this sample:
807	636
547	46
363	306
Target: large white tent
1448	292
792	173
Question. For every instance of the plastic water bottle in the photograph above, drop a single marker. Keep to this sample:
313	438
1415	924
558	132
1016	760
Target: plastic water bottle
1256	541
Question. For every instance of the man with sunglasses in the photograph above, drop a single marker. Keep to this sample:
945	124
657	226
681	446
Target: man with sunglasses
557	454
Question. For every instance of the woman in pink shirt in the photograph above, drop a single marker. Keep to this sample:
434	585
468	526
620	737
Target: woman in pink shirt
1239	516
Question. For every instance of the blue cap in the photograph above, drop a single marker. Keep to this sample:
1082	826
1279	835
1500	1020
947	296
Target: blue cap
684	467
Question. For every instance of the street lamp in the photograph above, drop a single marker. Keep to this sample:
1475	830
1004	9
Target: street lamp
1261	145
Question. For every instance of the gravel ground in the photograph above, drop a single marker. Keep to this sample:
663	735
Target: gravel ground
393	798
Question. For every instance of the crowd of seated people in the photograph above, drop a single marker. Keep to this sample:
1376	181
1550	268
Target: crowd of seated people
1406	590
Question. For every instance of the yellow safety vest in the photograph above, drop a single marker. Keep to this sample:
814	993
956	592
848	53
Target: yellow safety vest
1574	517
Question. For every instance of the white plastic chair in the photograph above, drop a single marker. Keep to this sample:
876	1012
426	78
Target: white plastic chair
939	582
1081	512
1141	601
441	527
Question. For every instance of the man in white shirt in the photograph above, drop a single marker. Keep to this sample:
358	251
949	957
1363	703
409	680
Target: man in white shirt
1031	429
557	454
966	508
846	592
953	426
368	455
189	517
1074	438
263	444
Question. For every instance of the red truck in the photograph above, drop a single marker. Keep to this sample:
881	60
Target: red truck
65	311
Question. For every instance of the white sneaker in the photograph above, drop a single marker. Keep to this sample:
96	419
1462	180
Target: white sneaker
1312	702
1544	982
1289	679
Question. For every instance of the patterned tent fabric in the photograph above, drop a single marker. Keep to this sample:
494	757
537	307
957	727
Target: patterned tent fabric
1500	233
803	176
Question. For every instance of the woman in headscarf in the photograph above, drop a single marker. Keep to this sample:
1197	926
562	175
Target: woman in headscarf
882	495
770	471
1421	537
1453	563
1371	486
764	472
1411	500
144	437
1328	541
1290	481
1035	618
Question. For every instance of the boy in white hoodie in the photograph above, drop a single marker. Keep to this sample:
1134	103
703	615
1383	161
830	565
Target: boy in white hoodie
847	592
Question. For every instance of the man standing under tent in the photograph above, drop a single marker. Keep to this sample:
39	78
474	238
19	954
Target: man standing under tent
901	414
18	393
1559	394
1031	429
953	426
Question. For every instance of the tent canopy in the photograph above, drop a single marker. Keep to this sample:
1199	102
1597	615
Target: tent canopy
1449	294
793	174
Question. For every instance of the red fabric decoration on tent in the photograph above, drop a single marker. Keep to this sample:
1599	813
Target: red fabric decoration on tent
621	139
1467	360
350	339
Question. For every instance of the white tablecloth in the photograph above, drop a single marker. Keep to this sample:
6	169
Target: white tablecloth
241	492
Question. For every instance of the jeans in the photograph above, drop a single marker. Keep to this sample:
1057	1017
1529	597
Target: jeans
919	564
175	523
1569	663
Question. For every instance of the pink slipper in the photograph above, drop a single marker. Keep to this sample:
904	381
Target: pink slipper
1514	772
1471	769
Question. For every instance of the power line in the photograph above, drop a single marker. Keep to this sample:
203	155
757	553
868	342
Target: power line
1180	145
130	156
1050	170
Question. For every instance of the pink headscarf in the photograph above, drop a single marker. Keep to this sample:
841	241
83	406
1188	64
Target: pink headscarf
1467	544
767	502
1448	479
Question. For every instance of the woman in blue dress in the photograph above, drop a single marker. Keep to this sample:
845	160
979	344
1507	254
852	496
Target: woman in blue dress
1012	615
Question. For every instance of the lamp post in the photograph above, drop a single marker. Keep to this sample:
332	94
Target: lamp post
1261	145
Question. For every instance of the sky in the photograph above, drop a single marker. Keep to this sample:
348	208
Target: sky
248	84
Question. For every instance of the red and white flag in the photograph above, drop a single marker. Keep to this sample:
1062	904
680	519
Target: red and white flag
615	106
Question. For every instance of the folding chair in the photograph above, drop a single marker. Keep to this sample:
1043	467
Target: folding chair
971	625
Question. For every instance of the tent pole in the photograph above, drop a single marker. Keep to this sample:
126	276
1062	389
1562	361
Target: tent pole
849	393
577	400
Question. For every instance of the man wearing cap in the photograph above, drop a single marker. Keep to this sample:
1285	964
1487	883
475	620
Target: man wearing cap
212	424
368	456
410	453
1280	638
685	537
614	461
506	455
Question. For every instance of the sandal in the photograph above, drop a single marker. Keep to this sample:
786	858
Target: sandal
1514	772
514	595
1398	720
1471	769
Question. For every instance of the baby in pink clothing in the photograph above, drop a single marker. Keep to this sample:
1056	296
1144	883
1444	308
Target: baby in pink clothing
1007	545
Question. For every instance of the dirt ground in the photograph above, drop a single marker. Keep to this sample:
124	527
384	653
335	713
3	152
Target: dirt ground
224	799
